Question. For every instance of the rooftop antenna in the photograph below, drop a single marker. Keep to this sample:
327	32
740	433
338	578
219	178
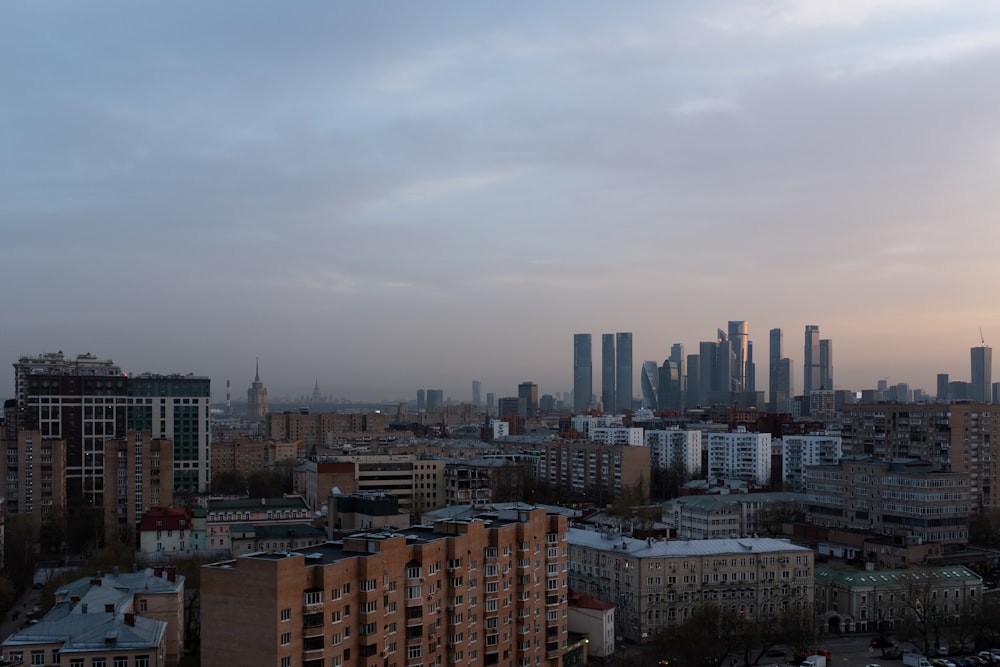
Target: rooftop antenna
982	341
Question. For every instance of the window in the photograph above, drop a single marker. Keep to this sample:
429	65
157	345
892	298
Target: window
413	652
38	657
142	661
143	607
313	597
120	661
286	638
98	662
286	614
286	661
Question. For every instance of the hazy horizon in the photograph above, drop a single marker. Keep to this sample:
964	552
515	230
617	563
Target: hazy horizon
383	200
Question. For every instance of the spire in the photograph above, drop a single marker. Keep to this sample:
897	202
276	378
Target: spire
256	376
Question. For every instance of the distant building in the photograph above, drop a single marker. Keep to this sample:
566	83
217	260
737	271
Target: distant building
583	372
618	435
257	407
800	451
223	515
139	473
982	374
34	471
740	455
705	517
675	447
365	510
527	396
595	619
623	372
326	429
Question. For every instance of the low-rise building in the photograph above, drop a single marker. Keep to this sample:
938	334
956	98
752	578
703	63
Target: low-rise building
596	620
165	531
656	584
861	601
134	619
699	517
223	514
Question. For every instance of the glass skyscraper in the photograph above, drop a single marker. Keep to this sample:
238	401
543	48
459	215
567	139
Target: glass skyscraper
583	372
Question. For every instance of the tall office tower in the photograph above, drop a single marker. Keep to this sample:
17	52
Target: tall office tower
677	355
692	389
739	341
435	398
608	372
178	408
786	386
649	380
669	395
421	400
810	361
583	372
777	340
982	373
528	393
623	372
751	369
725	365
257	397
491	403
942	388
476	395
707	353
826	364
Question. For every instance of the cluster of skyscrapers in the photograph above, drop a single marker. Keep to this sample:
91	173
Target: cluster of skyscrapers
722	371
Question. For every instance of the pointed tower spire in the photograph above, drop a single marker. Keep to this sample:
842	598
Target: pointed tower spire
256	376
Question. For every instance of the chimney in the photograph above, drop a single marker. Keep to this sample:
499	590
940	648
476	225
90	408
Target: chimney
83	608
110	608
96	581
129	619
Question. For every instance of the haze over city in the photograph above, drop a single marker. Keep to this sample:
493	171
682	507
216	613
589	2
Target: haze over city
383	199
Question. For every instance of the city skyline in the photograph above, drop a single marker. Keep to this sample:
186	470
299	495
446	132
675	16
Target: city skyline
382	202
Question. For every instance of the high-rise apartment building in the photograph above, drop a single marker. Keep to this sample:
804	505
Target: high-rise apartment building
608	372
982	374
257	407
811	361
477	393
740	455
583	372
178	408
421	400
903	497
490	590
954	437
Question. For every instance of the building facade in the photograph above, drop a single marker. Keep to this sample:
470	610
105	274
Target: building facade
740	455
139	474
800	451
491	590
657	584
257	406
954	437
901	497
675	447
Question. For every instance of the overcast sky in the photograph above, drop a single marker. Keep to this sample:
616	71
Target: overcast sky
389	196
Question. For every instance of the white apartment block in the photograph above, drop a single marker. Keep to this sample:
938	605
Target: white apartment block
618	435
799	451
740	455
584	423
500	429
674	446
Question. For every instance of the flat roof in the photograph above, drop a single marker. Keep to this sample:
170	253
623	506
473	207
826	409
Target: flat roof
679	548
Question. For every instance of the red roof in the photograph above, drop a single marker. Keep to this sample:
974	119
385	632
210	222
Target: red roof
166	518
586	602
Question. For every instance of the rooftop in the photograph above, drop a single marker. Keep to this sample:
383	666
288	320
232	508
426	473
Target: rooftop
922	574
678	548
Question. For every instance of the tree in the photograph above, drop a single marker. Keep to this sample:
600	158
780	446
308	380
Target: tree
984	528
8	594
20	550
271	482
229	482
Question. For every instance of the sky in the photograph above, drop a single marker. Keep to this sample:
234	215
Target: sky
381	197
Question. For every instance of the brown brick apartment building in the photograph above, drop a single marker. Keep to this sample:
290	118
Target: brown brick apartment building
486	591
